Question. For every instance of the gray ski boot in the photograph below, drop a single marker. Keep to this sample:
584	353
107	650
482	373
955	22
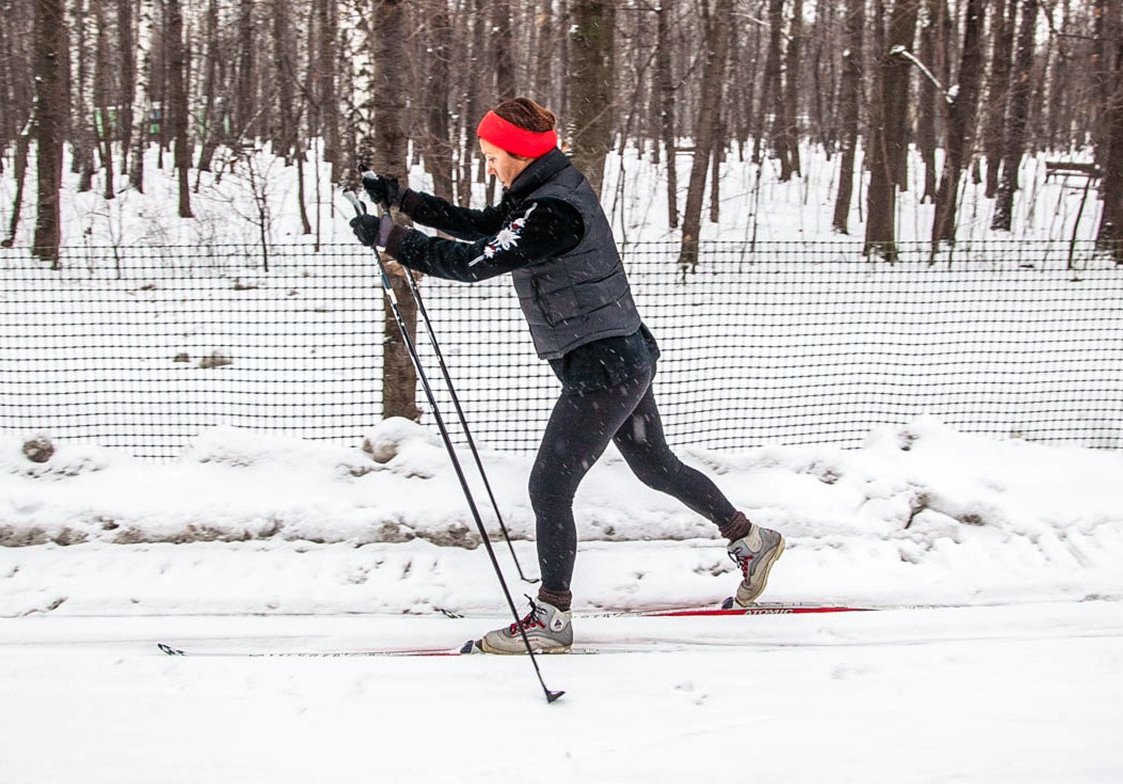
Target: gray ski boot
755	553
548	629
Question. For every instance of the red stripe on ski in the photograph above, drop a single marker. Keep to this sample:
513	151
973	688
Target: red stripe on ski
757	610
727	608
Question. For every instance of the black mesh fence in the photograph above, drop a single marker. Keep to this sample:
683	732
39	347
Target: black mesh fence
795	343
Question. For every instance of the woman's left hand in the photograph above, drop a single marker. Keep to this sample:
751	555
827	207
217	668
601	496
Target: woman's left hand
371	230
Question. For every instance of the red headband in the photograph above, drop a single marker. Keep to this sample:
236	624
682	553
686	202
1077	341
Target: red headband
519	141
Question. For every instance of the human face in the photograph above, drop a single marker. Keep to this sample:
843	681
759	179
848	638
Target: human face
500	163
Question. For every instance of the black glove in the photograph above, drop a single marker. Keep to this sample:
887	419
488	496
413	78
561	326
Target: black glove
382	190
372	230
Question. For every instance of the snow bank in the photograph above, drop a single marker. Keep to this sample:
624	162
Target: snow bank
920	514
917	485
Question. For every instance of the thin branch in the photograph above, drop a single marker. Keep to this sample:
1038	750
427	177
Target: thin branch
902	51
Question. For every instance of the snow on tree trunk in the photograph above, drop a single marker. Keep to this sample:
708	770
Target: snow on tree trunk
388	36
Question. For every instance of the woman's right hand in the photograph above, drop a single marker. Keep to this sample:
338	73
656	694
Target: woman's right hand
382	190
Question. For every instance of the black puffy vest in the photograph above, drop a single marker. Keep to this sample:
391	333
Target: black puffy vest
582	295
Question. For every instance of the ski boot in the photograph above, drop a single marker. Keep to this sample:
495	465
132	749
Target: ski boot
548	629
755	553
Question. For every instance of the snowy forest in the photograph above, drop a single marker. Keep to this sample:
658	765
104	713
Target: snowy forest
901	127
880	243
971	85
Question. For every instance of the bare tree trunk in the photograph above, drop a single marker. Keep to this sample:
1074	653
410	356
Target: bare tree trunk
590	85
822	120
748	64
354	73
958	133
245	107
327	15
717	23
897	72
1056	127
758	117
104	118
665	86
791	87
564	55
1099	69
1110	234
301	198
853	26
773	98
505	86
81	129
126	53
471	102
23	145
545	53
437	75
158	82
387	43
211	110
177	100
717	155
1002	44
926	118
881	219
284	128
144	38
52	95
1017	114
15	100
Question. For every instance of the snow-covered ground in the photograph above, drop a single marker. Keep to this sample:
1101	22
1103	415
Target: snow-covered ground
989	694
1011	672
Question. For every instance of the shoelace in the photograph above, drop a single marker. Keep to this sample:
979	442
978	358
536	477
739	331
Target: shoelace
742	562
533	619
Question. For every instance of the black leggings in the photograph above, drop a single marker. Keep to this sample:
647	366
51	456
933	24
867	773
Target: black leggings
577	434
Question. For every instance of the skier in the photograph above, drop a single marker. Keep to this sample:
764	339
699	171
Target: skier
551	234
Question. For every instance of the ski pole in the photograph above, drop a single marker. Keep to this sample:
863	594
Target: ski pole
460	413
388	292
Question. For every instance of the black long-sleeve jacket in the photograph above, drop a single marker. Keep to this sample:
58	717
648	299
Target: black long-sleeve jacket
496	240
501	239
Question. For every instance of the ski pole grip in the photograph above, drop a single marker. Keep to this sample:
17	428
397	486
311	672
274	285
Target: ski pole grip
360	208
369	177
